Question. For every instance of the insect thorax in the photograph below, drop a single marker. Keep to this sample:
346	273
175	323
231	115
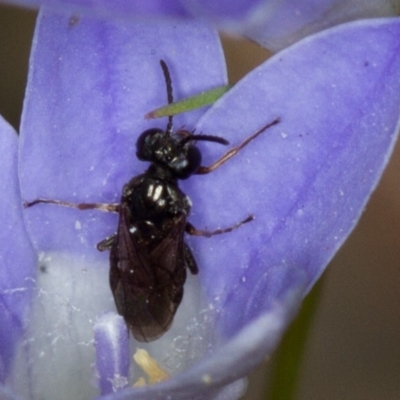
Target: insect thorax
153	198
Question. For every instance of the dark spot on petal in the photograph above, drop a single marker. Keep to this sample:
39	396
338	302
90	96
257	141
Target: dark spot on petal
73	21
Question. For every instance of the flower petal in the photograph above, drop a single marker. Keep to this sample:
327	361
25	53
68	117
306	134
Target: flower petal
274	24
112	352
7	394
122	8
17	259
217	376
90	86
307	179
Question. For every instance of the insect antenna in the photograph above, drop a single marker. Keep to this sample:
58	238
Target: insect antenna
170	97
208	138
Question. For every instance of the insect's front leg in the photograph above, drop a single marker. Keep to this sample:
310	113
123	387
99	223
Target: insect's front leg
107	207
191	230
235	150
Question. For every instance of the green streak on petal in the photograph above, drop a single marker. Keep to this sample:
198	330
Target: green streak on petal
190	103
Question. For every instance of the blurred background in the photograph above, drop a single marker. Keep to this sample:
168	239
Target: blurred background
353	349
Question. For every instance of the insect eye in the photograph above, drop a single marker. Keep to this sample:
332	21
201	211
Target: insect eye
146	143
190	164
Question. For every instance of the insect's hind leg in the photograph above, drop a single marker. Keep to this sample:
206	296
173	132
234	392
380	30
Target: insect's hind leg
191	230
189	259
107	207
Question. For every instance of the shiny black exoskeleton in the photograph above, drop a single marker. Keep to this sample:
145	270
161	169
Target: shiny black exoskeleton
148	254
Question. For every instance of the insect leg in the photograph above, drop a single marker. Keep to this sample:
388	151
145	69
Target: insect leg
232	152
191	230
189	259
106	243
113	207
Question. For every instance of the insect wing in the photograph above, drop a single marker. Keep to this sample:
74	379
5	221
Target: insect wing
129	271
147	281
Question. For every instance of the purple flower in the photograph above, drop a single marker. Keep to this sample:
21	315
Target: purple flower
306	181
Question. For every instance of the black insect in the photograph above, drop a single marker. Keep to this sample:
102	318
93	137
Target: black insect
148	254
